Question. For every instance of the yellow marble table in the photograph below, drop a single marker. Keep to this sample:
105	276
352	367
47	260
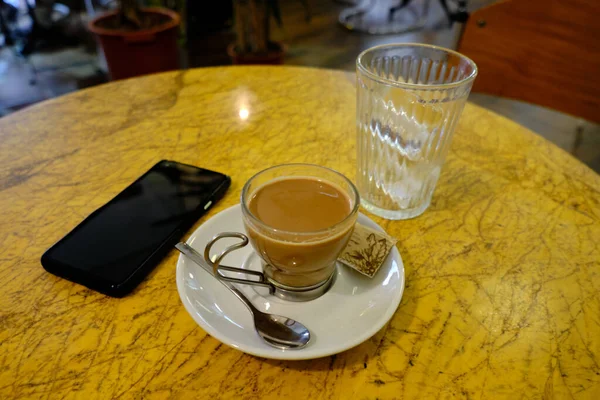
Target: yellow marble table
502	296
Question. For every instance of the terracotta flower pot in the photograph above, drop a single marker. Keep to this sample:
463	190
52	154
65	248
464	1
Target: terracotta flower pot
131	53
273	57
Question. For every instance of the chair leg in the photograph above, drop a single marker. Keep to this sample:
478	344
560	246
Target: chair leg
395	9
347	2
578	137
34	73
8	40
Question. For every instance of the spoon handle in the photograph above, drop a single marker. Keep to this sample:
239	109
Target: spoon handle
189	251
243	298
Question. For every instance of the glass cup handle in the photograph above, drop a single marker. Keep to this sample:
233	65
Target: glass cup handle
218	268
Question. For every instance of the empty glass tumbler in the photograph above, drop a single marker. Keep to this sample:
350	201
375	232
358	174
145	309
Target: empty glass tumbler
409	99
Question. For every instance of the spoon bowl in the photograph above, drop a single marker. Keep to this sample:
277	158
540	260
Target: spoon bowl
281	332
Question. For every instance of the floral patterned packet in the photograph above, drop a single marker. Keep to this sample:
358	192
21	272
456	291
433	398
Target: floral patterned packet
367	250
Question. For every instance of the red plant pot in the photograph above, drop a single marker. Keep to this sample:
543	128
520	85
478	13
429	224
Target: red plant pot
133	53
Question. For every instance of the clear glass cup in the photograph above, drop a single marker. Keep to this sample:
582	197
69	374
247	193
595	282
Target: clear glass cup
409	99
299	260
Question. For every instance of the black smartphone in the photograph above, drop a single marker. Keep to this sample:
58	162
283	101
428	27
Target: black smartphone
114	248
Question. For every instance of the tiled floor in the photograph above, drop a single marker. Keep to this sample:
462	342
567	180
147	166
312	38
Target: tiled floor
322	42
55	74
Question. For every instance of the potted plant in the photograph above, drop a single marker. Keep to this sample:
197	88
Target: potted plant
252	27
138	41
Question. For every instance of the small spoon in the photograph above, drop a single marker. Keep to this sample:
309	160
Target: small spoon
278	331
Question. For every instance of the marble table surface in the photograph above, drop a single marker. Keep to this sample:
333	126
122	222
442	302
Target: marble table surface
502	296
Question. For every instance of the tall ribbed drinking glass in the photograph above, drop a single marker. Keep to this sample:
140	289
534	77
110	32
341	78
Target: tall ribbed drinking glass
409	99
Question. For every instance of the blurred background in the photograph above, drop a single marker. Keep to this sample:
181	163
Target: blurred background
539	59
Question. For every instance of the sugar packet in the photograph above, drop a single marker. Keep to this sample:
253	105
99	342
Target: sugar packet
367	250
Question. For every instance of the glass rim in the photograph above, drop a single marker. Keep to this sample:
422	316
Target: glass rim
257	221
419	86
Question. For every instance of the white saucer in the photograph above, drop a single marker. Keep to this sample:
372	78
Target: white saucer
352	311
